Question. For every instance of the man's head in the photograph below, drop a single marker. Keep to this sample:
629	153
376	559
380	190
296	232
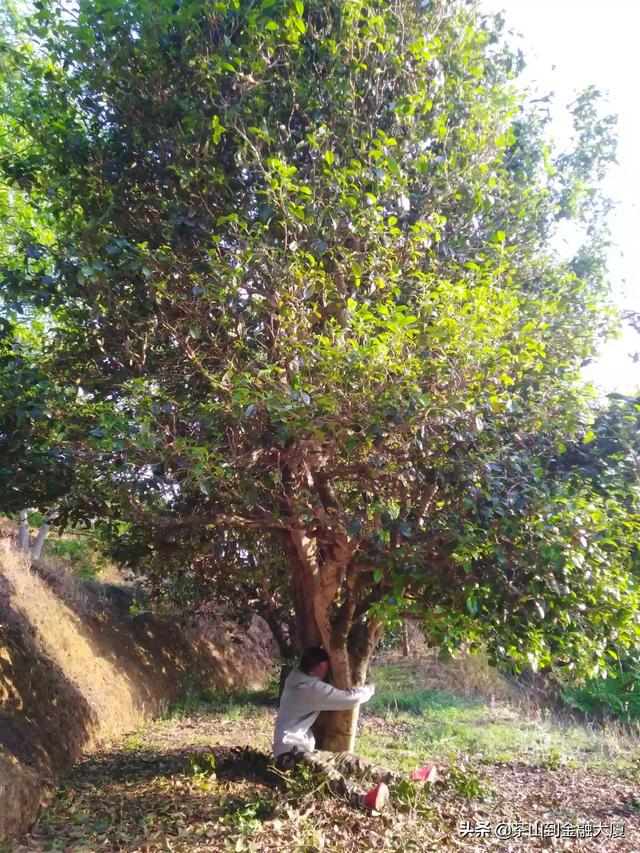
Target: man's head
315	661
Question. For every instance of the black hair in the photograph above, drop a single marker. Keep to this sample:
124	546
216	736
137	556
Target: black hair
311	658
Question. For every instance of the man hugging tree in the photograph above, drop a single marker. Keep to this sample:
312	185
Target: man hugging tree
304	696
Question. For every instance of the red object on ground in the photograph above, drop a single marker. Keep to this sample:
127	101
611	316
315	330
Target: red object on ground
377	798
428	773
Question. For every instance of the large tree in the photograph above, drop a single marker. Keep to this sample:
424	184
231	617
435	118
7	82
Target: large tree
293	276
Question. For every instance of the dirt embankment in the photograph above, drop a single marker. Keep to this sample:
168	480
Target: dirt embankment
76	669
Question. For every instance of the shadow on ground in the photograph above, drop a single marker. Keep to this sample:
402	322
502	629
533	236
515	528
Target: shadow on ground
140	801
227	763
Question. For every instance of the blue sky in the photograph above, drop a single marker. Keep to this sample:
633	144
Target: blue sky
569	45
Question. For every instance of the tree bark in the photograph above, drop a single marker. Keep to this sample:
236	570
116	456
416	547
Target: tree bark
36	551
284	672
406	646
23	532
307	628
335	731
283	633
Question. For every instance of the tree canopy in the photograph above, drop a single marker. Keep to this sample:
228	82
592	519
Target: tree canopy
287	268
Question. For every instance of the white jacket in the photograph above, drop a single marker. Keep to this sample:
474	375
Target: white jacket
303	697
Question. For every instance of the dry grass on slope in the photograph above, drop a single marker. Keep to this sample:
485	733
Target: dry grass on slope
76	670
66	639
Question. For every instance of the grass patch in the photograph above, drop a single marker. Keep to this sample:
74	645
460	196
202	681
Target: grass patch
238	705
134	741
424	723
390	702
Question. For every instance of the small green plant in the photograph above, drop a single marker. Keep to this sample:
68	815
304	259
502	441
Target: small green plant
465	783
413	799
192	699
553	758
302	781
79	556
202	767
247	818
134	742
136	608
80	553
302	784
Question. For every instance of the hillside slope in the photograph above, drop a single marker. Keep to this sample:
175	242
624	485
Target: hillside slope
75	671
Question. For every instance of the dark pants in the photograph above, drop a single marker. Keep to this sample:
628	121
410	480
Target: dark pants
334	765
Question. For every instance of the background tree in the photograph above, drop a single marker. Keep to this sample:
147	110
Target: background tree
297	280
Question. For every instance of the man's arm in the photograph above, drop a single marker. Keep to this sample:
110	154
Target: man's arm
324	697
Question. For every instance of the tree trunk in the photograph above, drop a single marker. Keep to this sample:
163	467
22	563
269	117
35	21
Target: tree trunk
36	551
23	532
406	646
284	634
335	731
308	631
322	621
284	673
49	518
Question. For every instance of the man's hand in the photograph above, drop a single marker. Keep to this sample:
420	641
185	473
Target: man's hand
368	687
367	692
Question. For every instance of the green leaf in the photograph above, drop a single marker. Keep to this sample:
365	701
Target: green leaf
217	128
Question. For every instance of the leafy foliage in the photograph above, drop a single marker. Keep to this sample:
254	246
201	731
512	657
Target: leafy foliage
284	269
617	696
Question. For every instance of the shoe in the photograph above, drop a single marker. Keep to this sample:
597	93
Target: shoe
428	773
376	799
